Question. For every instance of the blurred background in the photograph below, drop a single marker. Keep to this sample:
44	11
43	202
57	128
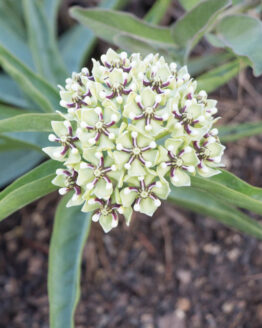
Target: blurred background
175	270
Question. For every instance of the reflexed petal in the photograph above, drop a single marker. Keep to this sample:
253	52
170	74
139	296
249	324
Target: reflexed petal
215	149
136	169
85	176
148	97
106	222
148	206
163	190
55	153
59	128
59	180
128	197
180	179
101	191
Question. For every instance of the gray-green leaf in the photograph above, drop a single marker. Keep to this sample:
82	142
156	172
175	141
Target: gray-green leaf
71	228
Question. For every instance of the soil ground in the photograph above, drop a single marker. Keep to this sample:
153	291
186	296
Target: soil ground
175	270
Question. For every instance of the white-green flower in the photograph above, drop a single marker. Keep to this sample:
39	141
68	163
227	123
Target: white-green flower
209	151
133	127
66	179
135	152
144	193
178	161
147	111
67	151
98	126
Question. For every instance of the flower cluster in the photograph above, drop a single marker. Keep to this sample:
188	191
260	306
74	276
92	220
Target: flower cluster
132	127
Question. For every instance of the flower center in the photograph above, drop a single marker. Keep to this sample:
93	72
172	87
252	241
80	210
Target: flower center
63	138
149	110
207	152
179	162
104	212
97	173
136	151
99	125
144	194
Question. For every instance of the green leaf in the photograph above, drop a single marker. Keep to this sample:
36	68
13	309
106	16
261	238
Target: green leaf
197	65
13	36
51	8
157	11
12	142
189	4
71	229
11	168
190	28
204	203
218	76
73	39
231	189
243	35
36	88
133	44
235	132
30	187
10	93
43	45
7	111
28	122
107	24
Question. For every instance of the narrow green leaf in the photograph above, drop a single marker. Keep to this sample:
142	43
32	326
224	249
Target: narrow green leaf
205	203
190	28
12	36
51	8
42	43
235	132
36	88
30	187
71	229
198	65
73	39
133	44
243	35
10	93
7	112
11	168
28	122
232	189
106	24
8	142
157	11
218	76
189	4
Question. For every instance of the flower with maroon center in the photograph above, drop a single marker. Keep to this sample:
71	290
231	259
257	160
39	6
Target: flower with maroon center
189	117
135	152
158	75
209	151
64	136
98	127
94	176
66	179
179	160
118	85
144	194
105	211
113	60
146	112
77	92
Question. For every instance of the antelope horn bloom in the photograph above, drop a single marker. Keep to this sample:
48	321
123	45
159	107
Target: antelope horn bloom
132	127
